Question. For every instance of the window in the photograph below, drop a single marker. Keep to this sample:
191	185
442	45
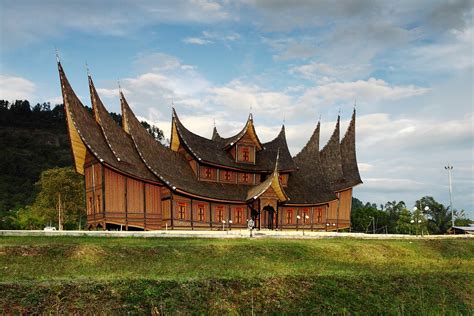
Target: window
201	212
245	178
226	175
245	154
182	210
289	216
320	215
208	173
220	214
239	215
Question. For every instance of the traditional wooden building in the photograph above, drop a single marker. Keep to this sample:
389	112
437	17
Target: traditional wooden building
134	182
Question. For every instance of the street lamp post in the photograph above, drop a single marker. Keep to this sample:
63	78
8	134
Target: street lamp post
373	224
298	221
223	225
450	168
306	217
423	214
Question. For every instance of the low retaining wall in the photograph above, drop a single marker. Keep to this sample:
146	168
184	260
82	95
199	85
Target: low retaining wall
221	234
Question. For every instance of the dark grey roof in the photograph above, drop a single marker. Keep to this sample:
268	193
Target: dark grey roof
348	156
308	185
118	141
135	152
212	151
331	161
87	127
173	169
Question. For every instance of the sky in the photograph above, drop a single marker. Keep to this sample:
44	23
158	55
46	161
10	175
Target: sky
406	65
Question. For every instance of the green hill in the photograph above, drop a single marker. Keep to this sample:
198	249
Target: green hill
211	276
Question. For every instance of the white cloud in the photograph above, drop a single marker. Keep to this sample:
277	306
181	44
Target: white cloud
16	88
19	23
196	41
368	91
211	37
324	73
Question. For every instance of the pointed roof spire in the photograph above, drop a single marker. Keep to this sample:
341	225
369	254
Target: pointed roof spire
249	129
57	56
215	134
348	154
331	161
272	181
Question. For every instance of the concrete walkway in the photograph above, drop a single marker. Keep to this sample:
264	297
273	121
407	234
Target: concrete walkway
236	233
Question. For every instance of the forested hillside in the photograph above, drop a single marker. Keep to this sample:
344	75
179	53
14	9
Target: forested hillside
32	139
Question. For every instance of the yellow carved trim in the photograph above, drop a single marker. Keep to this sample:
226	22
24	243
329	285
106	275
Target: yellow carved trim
78	147
278	188
174	137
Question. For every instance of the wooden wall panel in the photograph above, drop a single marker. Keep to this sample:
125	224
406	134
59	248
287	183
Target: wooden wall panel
332	212
135	201
114	192
153	199
345	208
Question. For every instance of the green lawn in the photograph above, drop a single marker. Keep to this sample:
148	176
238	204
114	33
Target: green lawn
214	276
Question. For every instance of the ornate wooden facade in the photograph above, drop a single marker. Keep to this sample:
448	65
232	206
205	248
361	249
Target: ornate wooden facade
134	182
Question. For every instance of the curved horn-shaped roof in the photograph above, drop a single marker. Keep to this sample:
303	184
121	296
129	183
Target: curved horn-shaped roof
249	129
331	161
117	139
215	135
212	151
272	181
348	155
83	129
173	169
309	183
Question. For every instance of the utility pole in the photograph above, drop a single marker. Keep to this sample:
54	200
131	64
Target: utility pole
59	212
450	168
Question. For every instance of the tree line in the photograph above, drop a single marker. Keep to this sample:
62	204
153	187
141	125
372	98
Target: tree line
426	217
33	139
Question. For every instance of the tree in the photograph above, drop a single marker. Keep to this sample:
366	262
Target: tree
403	224
58	188
362	218
393	212
461	219
154	131
439	216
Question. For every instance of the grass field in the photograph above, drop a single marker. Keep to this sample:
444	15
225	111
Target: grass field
215	276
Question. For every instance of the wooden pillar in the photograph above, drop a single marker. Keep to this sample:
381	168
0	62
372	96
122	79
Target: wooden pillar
210	214
172	209
337	210
296	217
103	189
144	206
192	215
276	217
312	218
327	211
126	203
281	217
93	192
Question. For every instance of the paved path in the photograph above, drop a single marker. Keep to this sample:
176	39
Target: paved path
220	234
